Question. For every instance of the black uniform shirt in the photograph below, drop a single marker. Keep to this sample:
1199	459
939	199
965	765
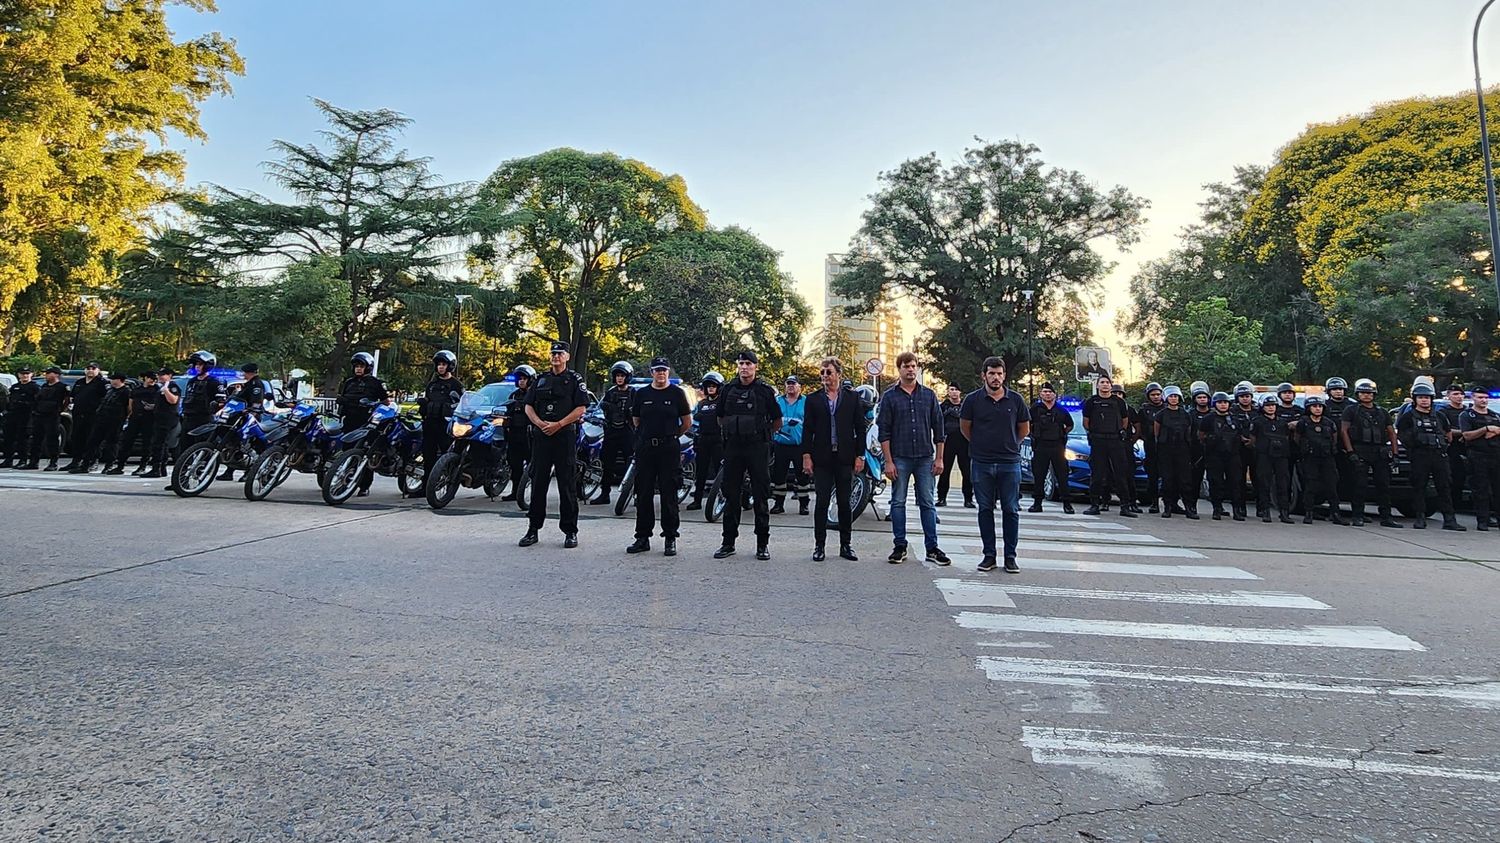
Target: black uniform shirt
1290	412
166	411
253	393
1417	429
1334	408
617	405
1050	425
87	394
51	399
23	397
1472	419
1106	416
437	402
517	423
659	414
116	402
1319	438
1451	415
201	394
951	419
1272	435
1367	426
557	395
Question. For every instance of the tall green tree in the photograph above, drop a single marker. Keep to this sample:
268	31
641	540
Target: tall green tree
965	240
288	323
1424	303
1210	342
376	212
700	296
88	93
567	225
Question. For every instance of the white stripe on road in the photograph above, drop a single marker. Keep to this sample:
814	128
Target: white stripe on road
1469	692
969	564
1352	637
968	593
1089	747
972	530
1100	549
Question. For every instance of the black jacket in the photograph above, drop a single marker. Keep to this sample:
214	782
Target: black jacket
87	394
23	397
353	392
1050	426
51	399
116	403
437	402
201	398
818	427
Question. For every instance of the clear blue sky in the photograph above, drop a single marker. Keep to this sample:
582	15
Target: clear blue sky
780	114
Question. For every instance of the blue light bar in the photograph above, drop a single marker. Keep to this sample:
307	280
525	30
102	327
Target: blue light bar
1068	402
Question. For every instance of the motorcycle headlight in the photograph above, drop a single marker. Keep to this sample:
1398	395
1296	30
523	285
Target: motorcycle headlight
1071	455
462	428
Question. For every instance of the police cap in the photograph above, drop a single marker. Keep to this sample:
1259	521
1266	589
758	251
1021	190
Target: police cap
746	356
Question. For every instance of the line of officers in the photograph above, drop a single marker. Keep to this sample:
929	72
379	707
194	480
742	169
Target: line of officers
1223	437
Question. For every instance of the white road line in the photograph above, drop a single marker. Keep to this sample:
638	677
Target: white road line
1088	747
969	593
1469	692
970	522
1351	637
971	531
969	564
1099	549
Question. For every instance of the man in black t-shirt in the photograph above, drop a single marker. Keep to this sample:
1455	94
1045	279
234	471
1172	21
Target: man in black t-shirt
167	430
660	414
1111	458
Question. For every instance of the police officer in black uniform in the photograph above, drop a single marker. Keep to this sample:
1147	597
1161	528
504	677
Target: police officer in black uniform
1202	408
618	436
748	416
1458	449
554	407
1111	461
1480	428
138	429
436	404
1145	419
1318	440
86	394
1426	435
21	397
109	418
955	448
46	418
1174	433
1224	435
167	428
518	429
1370	444
1050	426
358	395
660	414
1245	408
1272	436
252	392
708	448
203	397
1335	402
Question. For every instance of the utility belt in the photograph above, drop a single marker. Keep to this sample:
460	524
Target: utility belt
649	442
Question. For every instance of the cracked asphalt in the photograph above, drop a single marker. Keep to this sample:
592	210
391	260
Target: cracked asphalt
212	669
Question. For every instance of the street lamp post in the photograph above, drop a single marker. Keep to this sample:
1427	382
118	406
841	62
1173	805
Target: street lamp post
458	333
1484	146
1030	364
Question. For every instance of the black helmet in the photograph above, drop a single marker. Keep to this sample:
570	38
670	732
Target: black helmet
1335	383
1244	388
203	360
523	370
867	396
712	378
363	358
1418	390
621	366
1221	396
1153	387
1313	401
445	356
1284	387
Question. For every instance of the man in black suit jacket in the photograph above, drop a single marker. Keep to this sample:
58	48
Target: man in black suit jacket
833	449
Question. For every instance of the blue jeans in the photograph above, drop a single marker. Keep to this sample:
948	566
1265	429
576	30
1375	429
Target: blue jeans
996	482
921	469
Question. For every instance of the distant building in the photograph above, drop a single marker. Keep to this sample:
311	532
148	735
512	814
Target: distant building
876	334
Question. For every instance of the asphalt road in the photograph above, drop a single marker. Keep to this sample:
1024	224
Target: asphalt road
212	669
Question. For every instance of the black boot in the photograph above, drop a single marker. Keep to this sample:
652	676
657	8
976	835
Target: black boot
1239	513
1218	513
1092	510
697	504
1036	506
779	506
1451	523
1067	508
802	507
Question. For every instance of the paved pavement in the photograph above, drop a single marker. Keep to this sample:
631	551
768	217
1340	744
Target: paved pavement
217	669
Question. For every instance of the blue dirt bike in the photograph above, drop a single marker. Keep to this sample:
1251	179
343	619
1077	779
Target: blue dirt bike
476	459
232	440
306	442
389	445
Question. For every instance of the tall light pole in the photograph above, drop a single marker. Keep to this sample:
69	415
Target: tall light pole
1030	363
458	334
1484	146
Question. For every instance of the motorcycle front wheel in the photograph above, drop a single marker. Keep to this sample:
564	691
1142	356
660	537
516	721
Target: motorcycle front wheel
627	490
343	477
412	477
442	484
196	470
713	505
269	470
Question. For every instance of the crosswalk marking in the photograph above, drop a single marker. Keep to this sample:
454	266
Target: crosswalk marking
1096	549
968	563
968	593
1471	693
1087	747
971	531
1352	637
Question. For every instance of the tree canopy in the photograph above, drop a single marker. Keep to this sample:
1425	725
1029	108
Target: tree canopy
1209	342
90	91
963	241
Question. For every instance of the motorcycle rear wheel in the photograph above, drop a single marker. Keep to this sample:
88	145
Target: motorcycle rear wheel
412	478
269	470
626	496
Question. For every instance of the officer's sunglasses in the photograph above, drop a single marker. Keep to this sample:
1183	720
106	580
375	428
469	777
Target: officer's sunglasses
830	371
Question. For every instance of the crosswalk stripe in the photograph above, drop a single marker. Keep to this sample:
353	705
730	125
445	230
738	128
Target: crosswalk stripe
967	593
971	531
1086	747
969	564
1351	637
1051	547
1473	693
